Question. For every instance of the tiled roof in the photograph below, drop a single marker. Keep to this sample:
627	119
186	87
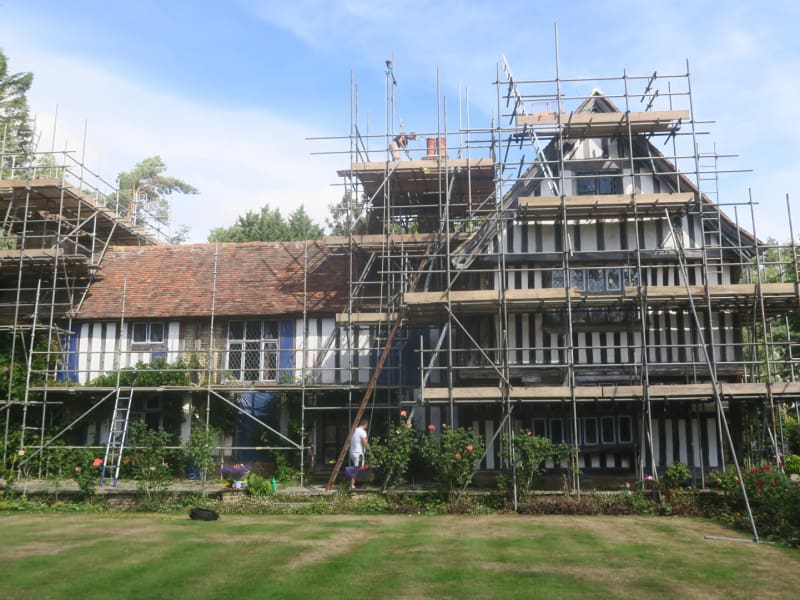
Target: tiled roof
252	279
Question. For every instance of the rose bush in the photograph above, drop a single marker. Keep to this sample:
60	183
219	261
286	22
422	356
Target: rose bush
452	455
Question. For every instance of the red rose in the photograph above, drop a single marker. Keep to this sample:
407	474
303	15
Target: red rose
458	455
97	462
431	427
469	447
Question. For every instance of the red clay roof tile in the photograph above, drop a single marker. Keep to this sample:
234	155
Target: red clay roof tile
254	278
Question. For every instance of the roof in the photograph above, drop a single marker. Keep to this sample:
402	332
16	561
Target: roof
252	279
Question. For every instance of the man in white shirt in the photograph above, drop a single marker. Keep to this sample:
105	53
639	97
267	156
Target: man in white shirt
358	448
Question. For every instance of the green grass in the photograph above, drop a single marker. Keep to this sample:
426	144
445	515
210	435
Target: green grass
84	556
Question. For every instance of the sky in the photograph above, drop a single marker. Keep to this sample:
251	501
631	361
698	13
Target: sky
251	101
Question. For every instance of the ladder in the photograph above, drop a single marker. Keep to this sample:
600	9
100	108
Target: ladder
117	435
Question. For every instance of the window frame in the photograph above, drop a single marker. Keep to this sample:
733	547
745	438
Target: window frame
603	420
598	183
148	327
620	419
254	354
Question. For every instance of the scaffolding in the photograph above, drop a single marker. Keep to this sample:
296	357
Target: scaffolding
574	271
563	271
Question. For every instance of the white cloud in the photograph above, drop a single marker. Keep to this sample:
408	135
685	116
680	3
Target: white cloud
238	159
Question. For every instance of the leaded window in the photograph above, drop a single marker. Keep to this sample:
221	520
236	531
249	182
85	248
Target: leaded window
253	350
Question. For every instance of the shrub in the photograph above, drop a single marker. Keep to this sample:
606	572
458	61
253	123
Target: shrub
259	486
674	476
629	502
529	455
199	452
452	456
791	464
791	429
771	496
285	471
148	459
85	470
394	454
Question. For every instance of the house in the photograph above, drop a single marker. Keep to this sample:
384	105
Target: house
593	293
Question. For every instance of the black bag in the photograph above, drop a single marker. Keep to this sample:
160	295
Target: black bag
203	514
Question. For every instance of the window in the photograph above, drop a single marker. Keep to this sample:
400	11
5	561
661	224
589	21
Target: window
557	431
590	431
595	279
577	279
607	433
598	183
630	277
253	350
148	333
625	430
540	427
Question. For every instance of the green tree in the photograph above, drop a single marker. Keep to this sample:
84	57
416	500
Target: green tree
199	450
268	225
345	215
144	190
301	227
16	128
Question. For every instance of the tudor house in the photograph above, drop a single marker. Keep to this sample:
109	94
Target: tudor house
597	297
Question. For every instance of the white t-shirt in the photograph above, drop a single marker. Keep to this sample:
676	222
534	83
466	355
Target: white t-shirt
357	441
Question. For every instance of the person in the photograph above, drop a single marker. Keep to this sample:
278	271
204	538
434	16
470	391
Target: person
358	448
400	142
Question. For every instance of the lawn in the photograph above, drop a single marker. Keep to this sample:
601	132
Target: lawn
139	556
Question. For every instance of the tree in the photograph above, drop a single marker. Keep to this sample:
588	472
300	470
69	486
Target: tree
344	215
16	129
301	227
268	225
143	192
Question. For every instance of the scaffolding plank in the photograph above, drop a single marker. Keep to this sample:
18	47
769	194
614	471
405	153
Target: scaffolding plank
603	123
365	317
604	205
559	393
779	296
377	240
473	176
54	196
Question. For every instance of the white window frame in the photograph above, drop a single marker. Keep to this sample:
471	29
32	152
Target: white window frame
603	439
148	332
258	357
619	429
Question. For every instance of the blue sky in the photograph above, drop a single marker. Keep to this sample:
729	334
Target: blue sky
228	93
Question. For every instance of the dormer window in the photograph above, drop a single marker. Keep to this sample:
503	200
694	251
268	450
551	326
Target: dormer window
596	183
